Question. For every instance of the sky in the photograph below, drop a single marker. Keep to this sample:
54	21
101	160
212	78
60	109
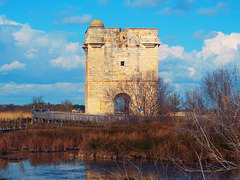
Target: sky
41	42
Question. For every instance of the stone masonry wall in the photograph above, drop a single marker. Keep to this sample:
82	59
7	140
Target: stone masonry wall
106	51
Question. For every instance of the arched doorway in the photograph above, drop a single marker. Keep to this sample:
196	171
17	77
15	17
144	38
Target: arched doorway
121	103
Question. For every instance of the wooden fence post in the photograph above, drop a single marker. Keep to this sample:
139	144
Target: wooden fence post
7	124
14	123
4	123
33	122
40	122
26	123
20	123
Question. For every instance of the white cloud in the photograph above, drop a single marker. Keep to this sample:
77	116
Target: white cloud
31	53
220	7
68	61
175	51
145	3
181	67
73	47
167	76
13	88
27	36
42	41
70	57
52	92
13	66
222	49
191	71
45	47
38	52
5	21
75	20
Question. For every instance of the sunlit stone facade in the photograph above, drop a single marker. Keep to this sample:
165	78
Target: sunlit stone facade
114	55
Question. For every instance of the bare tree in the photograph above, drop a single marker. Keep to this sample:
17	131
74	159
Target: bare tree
174	102
38	102
215	109
66	105
141	96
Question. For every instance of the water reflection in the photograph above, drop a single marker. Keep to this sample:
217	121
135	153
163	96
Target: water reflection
30	169
65	166
3	164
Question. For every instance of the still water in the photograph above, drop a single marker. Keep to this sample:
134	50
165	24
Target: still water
62	166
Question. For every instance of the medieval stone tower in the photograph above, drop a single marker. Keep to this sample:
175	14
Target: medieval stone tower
114	56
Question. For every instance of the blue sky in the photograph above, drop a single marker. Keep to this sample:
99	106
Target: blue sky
41	42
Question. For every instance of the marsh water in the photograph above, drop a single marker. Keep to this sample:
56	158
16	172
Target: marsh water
62	166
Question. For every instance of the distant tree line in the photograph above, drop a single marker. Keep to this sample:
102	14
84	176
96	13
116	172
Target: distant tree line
39	103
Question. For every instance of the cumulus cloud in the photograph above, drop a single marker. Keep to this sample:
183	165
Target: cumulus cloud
222	49
49	48
13	66
5	21
188	67
191	71
69	59
46	58
220	7
174	51
180	7
26	35
75	20
145	3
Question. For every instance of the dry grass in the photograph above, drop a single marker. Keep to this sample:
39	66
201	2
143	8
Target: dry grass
155	140
15	114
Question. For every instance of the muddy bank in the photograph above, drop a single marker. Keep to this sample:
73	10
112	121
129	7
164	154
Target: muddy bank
82	155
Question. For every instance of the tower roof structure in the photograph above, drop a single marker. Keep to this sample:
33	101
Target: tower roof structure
96	23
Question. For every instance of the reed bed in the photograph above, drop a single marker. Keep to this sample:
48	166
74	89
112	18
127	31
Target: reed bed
15	114
152	140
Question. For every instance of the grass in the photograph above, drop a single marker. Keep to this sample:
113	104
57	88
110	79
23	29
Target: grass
15	114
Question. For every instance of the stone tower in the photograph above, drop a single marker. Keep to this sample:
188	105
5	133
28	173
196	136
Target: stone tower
113	56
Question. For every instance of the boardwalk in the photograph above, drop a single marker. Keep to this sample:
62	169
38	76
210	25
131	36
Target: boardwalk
76	117
46	118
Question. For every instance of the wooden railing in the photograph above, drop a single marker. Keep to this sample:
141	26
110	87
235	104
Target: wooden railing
47	115
47	118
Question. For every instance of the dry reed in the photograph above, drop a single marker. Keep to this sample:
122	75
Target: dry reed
15	114
158	140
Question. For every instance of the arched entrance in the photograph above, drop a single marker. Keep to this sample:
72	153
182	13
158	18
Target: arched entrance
121	103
